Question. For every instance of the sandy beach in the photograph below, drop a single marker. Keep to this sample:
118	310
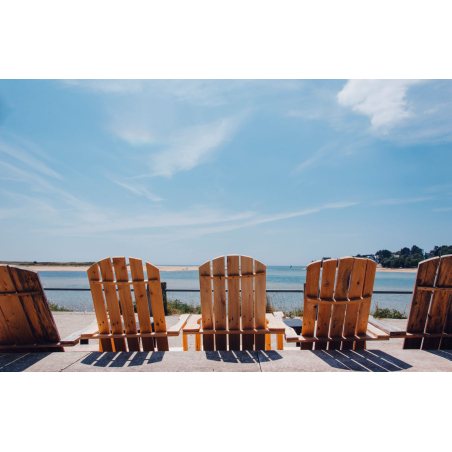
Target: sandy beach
82	268
397	270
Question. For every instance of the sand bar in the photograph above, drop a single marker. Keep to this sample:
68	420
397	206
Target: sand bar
397	270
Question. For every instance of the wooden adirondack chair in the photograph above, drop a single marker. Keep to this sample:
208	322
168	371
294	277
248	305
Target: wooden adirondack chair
341	305
236	316
26	321
430	320
118	331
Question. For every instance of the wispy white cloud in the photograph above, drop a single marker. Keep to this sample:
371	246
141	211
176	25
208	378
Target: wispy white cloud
138	190
135	135
393	201
191	147
383	101
318	155
107	86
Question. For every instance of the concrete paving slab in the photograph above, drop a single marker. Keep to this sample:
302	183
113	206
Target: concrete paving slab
167	362
356	361
38	362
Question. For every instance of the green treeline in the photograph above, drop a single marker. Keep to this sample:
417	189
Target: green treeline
409	258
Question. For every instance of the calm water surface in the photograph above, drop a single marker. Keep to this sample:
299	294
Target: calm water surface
277	278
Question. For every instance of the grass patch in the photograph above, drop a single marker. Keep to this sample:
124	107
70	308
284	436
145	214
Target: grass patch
178	307
295	313
57	308
388	313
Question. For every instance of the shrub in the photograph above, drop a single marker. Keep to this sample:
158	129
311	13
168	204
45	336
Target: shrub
57	308
178	307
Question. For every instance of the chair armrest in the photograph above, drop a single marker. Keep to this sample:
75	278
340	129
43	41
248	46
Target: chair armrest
193	324
74	338
274	324
175	329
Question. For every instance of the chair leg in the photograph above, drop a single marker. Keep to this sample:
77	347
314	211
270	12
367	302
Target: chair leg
279	342
198	342
184	342
268	342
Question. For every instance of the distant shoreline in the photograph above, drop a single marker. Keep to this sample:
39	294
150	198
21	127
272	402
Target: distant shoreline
162	268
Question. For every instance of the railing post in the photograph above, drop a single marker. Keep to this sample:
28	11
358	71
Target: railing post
165	303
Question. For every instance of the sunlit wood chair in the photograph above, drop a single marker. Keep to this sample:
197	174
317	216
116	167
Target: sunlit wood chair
26	321
115	312
337	298
238	320
429	325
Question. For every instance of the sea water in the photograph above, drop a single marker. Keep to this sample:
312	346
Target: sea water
278	277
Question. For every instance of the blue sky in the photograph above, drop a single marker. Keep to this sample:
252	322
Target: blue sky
179	172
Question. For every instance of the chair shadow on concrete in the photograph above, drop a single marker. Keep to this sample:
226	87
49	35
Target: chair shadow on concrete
234	357
446	354
362	360
269	355
122	359
18	362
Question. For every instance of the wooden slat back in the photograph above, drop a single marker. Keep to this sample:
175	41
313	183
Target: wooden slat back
111	297
446	342
260	303
219	302
426	276
311	289
326	293
364	307
158	309
99	307
344	272
205	285
355	291
141	300
125	299
247	314
25	319
234	301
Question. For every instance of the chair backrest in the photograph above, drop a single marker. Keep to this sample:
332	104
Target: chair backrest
431	308
25	316
114	280
236	311
343	301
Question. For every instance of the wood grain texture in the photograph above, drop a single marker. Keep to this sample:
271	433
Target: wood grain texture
436	319
111	298
125	299
355	291
420	303
344	272
247	314
206	305
234	300
158	308
219	302
141	299
99	307
364	307
326	293
311	289
260	304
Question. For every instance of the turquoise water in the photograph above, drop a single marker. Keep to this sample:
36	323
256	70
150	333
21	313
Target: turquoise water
277	278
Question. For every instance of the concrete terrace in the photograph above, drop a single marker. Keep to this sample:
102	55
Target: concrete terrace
383	356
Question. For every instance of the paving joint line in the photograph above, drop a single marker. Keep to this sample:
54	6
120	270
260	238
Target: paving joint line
76	361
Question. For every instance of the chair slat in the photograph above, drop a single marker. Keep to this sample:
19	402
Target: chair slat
234	301
15	318
125	299
219	302
340	294
99	307
326	292
206	305
247	303
310	308
439	305
426	274
364	307
260	304
158	309
355	291
111	298
141	299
